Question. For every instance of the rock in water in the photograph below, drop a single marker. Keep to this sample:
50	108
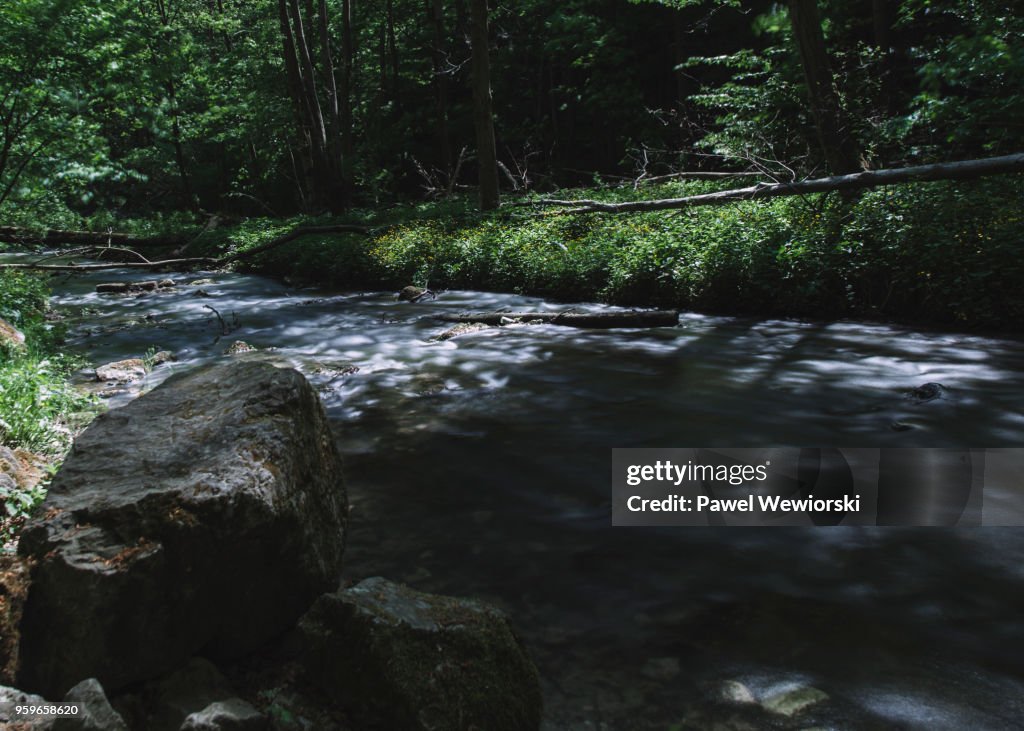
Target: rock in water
122	371
413	661
207	514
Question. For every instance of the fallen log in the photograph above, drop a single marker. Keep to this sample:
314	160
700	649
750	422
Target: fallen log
52	237
632	318
963	170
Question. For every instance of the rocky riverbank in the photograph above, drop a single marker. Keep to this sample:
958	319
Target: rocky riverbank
185	565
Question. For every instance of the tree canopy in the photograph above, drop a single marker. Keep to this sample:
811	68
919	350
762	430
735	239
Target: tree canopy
132	108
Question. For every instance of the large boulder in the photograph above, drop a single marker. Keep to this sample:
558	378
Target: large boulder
399	658
206	515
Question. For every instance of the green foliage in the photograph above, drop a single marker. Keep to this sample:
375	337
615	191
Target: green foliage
36	403
936	252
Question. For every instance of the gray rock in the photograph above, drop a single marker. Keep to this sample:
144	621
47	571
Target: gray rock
232	714
162	356
95	711
403	659
208	513
130	370
733	691
188	690
238	347
793	701
11	697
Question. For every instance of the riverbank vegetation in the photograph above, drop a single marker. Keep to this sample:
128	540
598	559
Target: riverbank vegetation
39	409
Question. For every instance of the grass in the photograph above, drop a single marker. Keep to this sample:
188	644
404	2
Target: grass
39	409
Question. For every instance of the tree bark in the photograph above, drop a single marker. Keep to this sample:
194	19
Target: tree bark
834	131
635	318
334	146
347	141
435	9
483	115
963	170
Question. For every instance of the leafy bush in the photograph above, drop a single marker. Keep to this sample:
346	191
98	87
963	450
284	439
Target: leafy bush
937	252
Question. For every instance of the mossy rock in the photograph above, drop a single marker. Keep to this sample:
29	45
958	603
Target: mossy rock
399	658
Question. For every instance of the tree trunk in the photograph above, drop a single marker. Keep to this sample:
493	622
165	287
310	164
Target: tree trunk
833	128
347	142
444	153
334	145
486	155
326	193
294	79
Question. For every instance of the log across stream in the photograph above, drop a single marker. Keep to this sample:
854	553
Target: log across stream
480	466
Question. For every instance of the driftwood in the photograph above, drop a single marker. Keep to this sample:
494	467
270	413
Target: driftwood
15	235
633	318
964	170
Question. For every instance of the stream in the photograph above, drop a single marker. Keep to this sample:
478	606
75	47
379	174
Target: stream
480	466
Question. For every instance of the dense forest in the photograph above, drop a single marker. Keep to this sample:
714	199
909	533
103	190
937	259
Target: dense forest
470	248
241	120
137	109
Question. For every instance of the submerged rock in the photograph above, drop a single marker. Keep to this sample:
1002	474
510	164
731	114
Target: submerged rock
413	661
928	392
463	328
415	294
792	702
130	287
207	514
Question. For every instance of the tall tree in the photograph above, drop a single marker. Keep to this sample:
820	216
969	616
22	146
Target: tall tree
835	135
483	116
435	11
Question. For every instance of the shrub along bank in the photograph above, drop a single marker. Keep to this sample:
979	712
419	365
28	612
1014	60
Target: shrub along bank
943	253
38	407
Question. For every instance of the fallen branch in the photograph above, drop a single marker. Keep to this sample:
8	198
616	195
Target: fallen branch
964	170
634	318
697	175
165	264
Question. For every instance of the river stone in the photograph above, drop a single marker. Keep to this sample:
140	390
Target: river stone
404	659
792	702
95	711
232	714
130	370
207	514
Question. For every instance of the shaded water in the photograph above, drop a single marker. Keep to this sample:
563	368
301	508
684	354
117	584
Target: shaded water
481	466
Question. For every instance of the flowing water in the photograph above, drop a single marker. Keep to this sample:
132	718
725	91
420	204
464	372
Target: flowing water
481	466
